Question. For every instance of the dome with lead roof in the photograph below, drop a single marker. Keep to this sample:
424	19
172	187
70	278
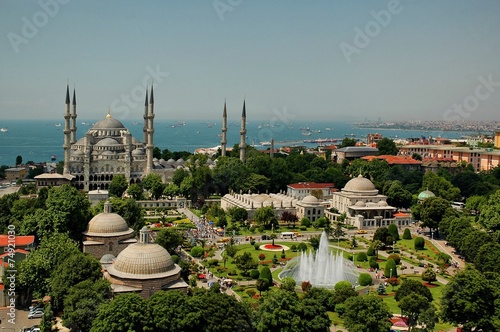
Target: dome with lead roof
360	185
108	123
107	223
310	199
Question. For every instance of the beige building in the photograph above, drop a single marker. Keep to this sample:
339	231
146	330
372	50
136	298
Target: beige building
364	207
52	180
144	268
251	202
480	158
107	234
15	173
311	208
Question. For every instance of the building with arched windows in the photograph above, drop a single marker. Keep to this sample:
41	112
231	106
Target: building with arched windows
107	149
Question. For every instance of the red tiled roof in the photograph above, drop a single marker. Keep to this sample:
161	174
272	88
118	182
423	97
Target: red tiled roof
311	185
21	240
400	214
21	251
394	160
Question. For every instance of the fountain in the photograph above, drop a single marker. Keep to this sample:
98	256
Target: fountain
321	269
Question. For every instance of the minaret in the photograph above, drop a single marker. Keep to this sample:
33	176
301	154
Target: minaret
67	134
150	130
271	153
73	119
243	133
224	131
145	129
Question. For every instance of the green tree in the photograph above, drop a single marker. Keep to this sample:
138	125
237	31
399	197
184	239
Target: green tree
19	160
171	191
265	273
411	286
486	259
366	314
413	306
407	234
255	183
179	175
71	271
347	141
170	311
245	262
264	215
419	243
118	185
35	271
262	285
283	311
386	146
238	213
157	189
398	196
382	234
126	312
429	275
489	217
314	242
469	300
390	270
48	319
433	210
170	239
288	284
440	186
82	302
280	175
365	279
136	191
393	231
149	181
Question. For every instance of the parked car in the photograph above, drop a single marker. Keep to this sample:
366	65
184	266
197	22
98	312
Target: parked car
35	314
39	305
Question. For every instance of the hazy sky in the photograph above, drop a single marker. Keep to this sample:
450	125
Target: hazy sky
335	60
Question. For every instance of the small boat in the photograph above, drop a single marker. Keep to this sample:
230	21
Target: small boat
57	124
4	130
53	157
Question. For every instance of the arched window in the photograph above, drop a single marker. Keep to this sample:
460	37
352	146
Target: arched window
110	246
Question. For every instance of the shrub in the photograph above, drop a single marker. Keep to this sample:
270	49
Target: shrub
303	228
251	292
419	243
262	257
275	259
254	274
407	234
293	248
390	269
252	242
256	246
232	272
306	286
381	289
370	251
395	257
394	281
213	262
197	251
261	229
393	231
305	222
361	257
302	246
265	273
342	285
175	259
364	279
373	262
283	255
429	275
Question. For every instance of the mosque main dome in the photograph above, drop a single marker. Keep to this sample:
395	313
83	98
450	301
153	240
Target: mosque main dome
108	123
360	185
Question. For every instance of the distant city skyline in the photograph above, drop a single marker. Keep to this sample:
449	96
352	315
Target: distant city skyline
290	60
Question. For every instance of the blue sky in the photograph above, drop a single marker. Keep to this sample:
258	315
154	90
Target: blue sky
299	60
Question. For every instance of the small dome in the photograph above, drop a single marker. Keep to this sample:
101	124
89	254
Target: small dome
360	204
425	194
78	153
310	199
180	161
138	152
170	161
107	258
108	153
108	123
107	142
382	203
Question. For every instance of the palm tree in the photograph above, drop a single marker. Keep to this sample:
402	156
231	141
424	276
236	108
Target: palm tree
377	244
273	236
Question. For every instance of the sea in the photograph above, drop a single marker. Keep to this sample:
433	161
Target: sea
42	140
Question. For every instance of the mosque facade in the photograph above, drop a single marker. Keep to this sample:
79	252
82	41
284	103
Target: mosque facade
107	149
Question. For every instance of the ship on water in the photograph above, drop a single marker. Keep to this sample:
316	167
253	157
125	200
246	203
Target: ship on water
4	129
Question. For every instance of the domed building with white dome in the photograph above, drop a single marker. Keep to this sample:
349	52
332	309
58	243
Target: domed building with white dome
107	149
310	207
107	234
144	268
364	206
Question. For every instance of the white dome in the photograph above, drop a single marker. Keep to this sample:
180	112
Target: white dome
360	204
143	258
108	123
361	186
107	142
310	199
